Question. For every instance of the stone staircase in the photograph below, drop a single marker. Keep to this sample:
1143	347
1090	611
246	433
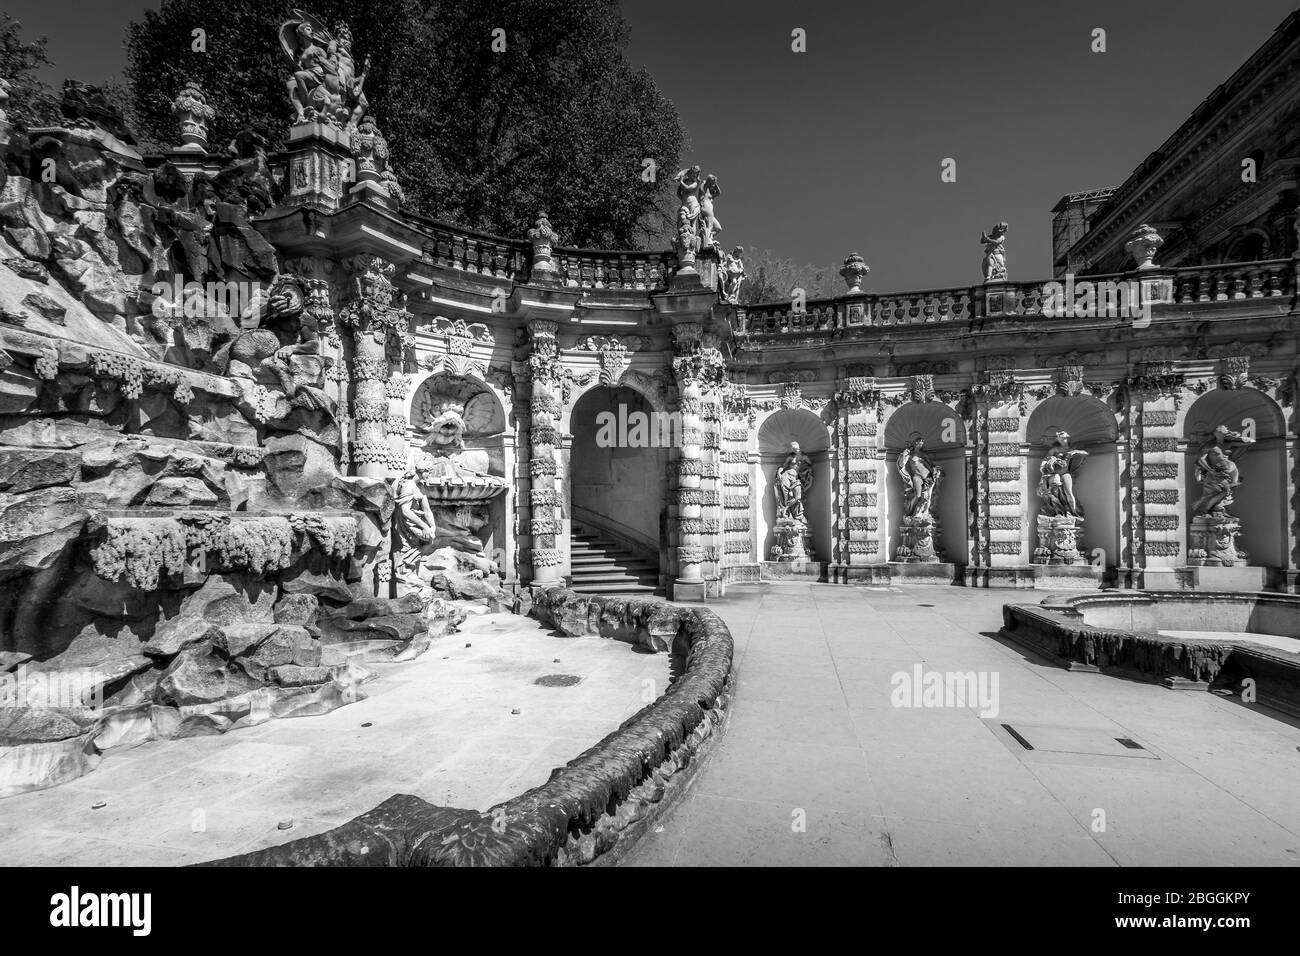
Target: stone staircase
601	566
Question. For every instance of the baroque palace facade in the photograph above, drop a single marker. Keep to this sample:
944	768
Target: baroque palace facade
1132	425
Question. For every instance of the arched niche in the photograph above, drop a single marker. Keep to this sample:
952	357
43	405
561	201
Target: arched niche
945	441
618	466
775	434
484	415
1260	500
1092	428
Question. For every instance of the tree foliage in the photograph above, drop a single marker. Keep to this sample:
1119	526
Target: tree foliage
31	100
483	137
772	278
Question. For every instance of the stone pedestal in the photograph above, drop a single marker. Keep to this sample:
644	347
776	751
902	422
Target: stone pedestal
1212	542
792	541
1217	578
917	546
1058	540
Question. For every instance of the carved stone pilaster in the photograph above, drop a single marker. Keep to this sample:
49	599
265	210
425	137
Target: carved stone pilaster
378	332
546	377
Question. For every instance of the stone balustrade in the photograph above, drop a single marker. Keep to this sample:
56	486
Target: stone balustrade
1185	286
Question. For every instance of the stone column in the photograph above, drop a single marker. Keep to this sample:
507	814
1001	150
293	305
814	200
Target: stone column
1156	478
857	506
545	376
697	366
738	546
378	329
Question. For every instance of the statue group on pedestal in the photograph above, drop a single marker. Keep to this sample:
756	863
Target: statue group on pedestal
442	508
921	477
696	223
325	86
794	481
1214	530
1060	515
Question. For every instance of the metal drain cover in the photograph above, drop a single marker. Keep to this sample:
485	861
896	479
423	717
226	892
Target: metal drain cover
1076	740
558	680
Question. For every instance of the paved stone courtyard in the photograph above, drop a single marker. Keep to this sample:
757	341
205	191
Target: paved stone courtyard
814	737
440	727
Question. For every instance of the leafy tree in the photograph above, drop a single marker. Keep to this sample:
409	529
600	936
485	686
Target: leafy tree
771	278
550	116
31	100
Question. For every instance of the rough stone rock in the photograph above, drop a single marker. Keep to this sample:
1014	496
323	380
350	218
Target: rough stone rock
178	634
39	725
397	627
26	469
296	609
17	392
35	527
28	269
45	306
234	640
321	584
180	493
93	661
300	470
295	675
459	585
256	648
231	598
195	677
11	659
409	603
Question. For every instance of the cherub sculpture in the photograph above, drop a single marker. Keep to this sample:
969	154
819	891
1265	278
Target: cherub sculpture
995	253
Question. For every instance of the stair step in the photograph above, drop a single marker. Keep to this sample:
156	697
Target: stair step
628	559
601	588
611	576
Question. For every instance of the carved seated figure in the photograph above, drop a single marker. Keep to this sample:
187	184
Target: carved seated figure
448	470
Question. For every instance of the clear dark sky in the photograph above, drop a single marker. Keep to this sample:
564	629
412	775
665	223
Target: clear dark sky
838	149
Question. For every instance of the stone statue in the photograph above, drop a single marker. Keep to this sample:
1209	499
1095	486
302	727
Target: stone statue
732	275
709	224
920	479
920	476
370	154
1214	530
995	253
4	99
1060	517
794	480
689	190
324	87
351	83
1216	470
1056	478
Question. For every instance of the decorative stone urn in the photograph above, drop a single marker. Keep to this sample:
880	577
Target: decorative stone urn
1143	244
854	271
543	237
192	110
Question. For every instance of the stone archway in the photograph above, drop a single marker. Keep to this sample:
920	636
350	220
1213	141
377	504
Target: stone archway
1091	427
775	434
944	434
1260	501
617	471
